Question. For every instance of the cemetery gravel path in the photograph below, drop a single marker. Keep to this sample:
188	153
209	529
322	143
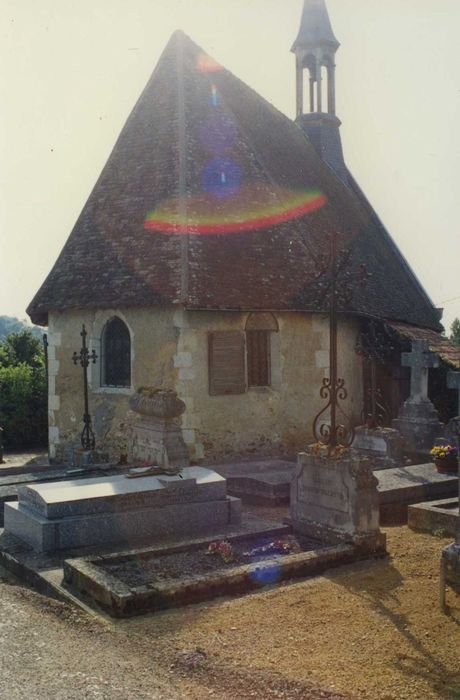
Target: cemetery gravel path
372	630
52	651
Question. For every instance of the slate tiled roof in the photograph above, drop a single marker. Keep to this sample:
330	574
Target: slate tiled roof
315	26
193	123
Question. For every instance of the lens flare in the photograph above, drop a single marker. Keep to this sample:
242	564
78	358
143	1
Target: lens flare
266	575
207	64
221	178
214	96
250	208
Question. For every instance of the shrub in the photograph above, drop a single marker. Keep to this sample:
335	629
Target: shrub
23	400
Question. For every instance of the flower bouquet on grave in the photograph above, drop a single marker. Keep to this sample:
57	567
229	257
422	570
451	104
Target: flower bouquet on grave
445	458
275	547
223	549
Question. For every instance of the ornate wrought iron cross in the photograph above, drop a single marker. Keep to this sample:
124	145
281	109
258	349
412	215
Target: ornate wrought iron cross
88	440
337	284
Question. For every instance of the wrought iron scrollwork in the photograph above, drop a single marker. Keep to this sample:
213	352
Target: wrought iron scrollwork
337	284
331	432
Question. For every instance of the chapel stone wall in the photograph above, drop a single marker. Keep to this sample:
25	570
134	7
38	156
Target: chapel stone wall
153	346
169	350
262	420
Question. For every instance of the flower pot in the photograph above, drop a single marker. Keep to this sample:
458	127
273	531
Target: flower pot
448	465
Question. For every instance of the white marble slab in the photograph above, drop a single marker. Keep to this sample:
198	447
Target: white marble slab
88	496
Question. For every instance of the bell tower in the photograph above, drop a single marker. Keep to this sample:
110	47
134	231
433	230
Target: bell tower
315	49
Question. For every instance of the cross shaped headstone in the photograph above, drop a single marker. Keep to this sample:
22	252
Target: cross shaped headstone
453	382
419	361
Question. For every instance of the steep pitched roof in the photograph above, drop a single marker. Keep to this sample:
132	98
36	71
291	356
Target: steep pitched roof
214	199
315	27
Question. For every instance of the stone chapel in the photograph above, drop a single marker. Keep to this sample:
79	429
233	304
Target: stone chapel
196	262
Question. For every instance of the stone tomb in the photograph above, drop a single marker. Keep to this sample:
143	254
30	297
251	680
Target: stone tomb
382	446
418	420
336	500
116	510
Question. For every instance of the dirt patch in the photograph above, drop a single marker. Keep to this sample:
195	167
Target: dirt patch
148	569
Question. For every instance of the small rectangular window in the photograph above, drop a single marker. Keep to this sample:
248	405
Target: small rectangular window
258	358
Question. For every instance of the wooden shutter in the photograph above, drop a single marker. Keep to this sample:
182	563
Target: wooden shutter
227	373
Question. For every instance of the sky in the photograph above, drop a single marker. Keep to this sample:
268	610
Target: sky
72	71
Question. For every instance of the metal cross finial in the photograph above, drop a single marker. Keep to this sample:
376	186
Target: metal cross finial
84	357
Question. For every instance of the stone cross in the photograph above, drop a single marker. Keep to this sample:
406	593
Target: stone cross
453	382
419	361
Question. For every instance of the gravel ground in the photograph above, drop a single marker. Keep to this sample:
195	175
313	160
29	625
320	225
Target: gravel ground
51	651
372	631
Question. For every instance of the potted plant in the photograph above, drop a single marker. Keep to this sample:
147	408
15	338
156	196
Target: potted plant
445	458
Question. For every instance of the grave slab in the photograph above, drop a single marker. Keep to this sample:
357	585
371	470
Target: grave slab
398	488
10	483
435	515
266	481
87	512
263	482
382	446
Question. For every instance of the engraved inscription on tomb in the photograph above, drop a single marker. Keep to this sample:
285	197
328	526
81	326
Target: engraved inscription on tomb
323	489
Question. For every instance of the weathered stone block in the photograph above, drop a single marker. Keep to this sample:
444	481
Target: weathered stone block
335	499
382	446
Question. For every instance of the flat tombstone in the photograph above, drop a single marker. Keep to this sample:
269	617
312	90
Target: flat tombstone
120	511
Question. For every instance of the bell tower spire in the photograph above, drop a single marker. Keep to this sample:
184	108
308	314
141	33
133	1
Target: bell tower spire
315	48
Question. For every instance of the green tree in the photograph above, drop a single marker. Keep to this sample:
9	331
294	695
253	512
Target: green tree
455	331
23	401
21	347
11	324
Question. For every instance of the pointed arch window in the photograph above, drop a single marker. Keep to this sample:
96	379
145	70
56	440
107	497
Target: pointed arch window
116	354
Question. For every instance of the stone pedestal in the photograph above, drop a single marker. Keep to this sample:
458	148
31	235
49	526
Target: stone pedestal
78	458
157	435
419	425
383	447
336	500
159	441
